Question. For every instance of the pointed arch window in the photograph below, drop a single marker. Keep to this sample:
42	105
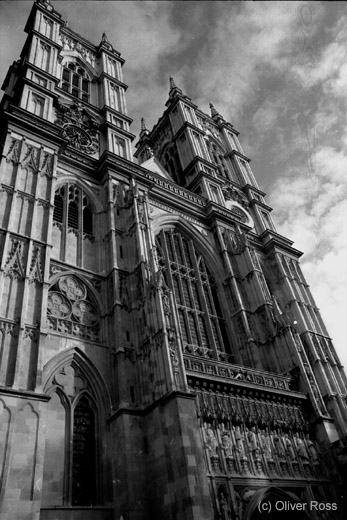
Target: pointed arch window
186	273
73	215
76	81
218	159
170	160
71	459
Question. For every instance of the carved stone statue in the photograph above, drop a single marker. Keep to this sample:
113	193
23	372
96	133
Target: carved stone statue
312	450
266	444
289	447
252	439
225	513
278	445
240	443
211	442
300	447
227	444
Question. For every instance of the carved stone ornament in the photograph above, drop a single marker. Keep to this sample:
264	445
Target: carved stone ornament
71	45
14	151
70	380
14	267
235	241
36	271
70	311
78	127
232	194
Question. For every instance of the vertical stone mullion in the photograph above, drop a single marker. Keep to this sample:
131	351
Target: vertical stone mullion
15	203
202	299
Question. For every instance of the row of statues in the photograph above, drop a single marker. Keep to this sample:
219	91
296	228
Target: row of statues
245	448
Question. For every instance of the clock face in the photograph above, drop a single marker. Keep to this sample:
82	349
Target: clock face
80	139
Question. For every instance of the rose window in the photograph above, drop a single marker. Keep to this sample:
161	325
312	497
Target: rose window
70	309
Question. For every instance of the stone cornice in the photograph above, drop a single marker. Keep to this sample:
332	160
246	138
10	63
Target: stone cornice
24	394
239	377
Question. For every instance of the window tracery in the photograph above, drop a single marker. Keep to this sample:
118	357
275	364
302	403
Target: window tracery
185	272
70	310
73	214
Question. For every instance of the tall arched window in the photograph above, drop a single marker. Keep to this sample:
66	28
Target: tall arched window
170	160
70	464
185	271
75	81
73	216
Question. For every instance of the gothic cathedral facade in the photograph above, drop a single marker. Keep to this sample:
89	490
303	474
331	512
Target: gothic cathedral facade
161	354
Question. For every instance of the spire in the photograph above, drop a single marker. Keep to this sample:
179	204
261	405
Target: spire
105	42
215	114
144	129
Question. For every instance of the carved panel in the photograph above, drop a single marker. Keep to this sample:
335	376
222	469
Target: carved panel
15	262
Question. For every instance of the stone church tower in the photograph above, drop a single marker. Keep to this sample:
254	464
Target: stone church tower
161	354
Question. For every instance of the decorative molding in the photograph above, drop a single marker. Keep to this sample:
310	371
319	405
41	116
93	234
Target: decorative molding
47	165
14	151
31	158
230	372
15	263
9	327
159	181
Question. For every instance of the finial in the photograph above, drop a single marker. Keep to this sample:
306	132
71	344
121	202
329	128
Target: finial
144	130
172	84
46	3
104	38
213	110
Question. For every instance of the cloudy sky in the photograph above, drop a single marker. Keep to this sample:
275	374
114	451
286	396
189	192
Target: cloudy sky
276	70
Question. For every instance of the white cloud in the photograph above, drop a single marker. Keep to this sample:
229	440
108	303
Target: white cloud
312	211
260	35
